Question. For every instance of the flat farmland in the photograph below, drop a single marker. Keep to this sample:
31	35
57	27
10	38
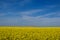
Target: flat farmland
29	33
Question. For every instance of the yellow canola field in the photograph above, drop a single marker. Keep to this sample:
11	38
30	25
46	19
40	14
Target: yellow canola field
29	33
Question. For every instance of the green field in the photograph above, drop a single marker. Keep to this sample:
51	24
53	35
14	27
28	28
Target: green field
29	33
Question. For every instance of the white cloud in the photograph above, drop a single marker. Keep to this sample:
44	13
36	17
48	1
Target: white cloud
52	14
38	21
42	20
31	21
47	15
30	12
2	14
23	13
57	14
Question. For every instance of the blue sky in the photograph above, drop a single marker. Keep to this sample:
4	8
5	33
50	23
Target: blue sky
30	12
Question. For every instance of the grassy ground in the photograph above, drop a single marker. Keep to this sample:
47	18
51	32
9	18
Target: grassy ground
29	33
